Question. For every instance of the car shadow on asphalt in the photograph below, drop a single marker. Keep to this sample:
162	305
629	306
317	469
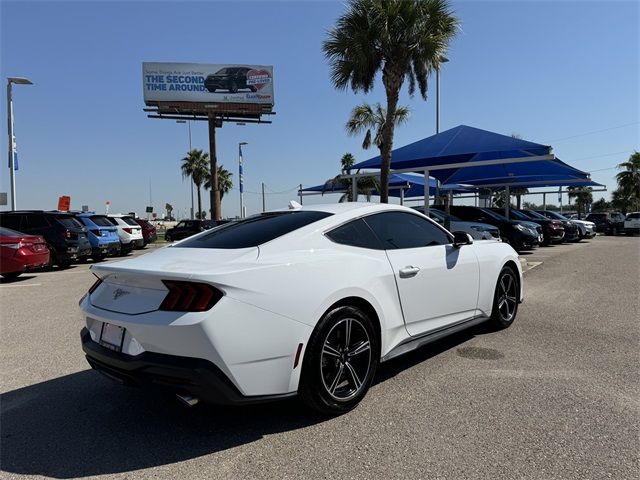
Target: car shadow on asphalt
19	279
83	424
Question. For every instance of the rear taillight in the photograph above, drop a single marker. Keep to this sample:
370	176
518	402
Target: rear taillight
94	286
189	296
128	230
69	235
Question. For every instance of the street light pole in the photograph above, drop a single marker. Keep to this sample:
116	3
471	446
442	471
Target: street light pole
12	171
188	122
241	178
442	60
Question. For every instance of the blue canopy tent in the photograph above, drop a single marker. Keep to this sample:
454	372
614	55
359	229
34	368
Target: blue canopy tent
483	159
402	185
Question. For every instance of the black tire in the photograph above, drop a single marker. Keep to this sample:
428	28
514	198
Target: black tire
253	89
167	237
233	88
100	258
337	371
11	275
507	291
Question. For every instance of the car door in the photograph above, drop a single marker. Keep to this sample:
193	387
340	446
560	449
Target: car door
437	282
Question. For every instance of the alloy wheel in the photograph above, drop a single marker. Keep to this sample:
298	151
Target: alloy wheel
507	297
346	359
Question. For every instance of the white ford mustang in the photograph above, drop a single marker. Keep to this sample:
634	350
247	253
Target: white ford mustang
302	301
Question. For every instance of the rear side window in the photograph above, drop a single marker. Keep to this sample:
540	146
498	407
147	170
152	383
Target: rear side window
101	221
34	221
130	221
405	230
68	221
10	221
633	216
254	230
355	234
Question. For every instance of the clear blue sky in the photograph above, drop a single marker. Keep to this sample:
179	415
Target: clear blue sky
552	72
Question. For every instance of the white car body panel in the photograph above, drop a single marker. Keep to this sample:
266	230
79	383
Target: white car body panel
276	293
126	237
632	223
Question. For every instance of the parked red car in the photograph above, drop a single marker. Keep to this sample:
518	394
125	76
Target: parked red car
20	252
149	234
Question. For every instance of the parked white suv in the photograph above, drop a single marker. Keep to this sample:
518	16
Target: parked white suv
129	231
632	223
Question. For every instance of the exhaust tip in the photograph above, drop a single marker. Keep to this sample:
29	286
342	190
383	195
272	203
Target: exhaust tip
188	400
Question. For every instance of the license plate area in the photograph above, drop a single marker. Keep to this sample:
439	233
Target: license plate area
112	337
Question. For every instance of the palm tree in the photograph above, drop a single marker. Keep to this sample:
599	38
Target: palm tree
196	166
399	38
224	181
365	117
629	179
583	197
364	185
169	208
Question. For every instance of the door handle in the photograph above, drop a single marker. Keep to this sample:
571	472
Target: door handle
409	271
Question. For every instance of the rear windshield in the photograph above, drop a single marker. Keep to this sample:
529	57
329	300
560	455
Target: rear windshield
101	221
68	221
7	232
130	221
633	215
254	230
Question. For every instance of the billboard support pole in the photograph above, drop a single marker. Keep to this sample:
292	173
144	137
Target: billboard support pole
215	192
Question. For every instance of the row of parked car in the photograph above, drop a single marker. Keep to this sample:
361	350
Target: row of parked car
526	229
31	239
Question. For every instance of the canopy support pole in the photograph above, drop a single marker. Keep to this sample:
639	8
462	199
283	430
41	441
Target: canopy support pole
402	196
447	216
426	192
544	201
507	201
560	199
354	189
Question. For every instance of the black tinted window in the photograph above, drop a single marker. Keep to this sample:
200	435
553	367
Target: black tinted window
356	234
254	230
10	221
101	221
34	221
405	230
68	221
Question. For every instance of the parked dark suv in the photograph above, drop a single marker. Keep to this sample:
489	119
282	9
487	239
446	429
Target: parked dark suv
552	230
520	235
66	237
609	223
186	228
230	78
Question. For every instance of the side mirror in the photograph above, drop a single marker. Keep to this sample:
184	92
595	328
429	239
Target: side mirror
461	238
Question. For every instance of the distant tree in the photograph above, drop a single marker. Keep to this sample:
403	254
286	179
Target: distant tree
498	198
583	197
225	184
621	200
196	166
364	185
169	208
629	180
402	39
518	192
600	205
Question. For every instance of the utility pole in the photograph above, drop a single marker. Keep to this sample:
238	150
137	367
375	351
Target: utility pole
300	193
264	209
241	177
12	165
215	190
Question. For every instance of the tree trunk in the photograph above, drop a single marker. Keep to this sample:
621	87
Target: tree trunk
392	82
199	203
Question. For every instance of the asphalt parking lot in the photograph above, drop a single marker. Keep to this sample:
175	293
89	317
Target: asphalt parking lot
557	395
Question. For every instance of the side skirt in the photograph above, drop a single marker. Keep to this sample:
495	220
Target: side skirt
416	342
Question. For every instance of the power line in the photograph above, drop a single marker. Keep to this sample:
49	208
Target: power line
593	132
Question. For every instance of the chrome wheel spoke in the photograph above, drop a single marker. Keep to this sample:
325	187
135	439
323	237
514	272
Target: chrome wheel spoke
347	337
511	299
329	350
354	376
336	381
362	347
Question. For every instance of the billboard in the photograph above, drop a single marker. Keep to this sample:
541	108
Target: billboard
205	83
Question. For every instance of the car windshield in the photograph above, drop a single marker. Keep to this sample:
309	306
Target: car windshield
518	215
596	216
7	232
68	221
534	215
494	215
254	231
101	221
555	215
440	215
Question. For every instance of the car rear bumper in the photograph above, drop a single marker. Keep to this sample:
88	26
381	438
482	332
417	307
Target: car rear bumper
197	377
